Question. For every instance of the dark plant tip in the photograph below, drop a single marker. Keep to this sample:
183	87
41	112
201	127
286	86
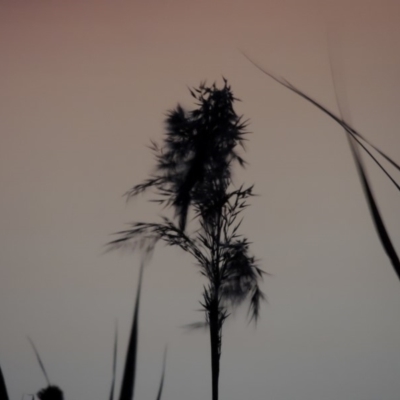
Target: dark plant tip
161	386
114	367
50	393
128	380
3	388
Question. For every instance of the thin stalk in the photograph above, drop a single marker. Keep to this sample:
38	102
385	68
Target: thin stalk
356	135
215	347
160	389
114	367
39	360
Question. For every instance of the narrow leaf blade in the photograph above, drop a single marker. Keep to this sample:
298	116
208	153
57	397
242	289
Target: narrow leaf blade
160	389
40	362
114	362
375	213
128	381
376	216
3	388
357	136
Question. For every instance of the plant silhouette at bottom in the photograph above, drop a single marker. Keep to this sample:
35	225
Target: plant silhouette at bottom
52	392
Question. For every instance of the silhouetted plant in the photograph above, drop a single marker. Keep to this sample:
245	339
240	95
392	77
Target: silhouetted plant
52	392
194	171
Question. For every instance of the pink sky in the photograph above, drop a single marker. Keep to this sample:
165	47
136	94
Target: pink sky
84	89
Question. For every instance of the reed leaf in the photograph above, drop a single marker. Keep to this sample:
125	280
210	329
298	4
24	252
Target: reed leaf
128	381
3	388
375	213
355	136
376	216
40	362
160	389
358	137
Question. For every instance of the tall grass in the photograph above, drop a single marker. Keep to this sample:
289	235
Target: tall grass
355	139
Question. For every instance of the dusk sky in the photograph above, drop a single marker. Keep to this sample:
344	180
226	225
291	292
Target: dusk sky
85	86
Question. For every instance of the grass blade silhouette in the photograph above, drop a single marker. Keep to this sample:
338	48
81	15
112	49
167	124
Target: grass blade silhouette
114	362
375	213
3	388
40	362
160	389
50	392
355	134
376	216
128	380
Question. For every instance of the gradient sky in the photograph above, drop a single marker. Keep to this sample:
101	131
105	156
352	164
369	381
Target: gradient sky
85	86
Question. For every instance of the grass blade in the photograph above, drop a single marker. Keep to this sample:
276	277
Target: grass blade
376	216
39	361
128	381
356	135
114	362
3	388
160	389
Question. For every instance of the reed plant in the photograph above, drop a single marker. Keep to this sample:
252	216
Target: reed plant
194	173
